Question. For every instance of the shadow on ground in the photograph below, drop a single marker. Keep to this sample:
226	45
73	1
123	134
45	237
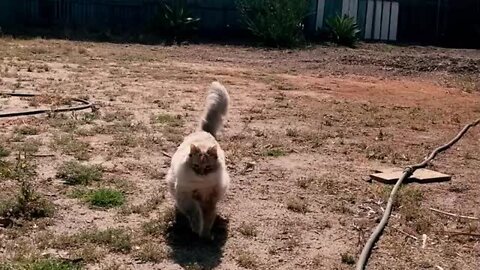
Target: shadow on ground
189	250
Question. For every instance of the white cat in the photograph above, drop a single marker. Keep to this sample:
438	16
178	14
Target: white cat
198	177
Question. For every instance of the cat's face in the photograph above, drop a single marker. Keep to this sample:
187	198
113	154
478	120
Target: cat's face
203	163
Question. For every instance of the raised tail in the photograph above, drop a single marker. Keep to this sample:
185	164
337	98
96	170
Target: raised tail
215	109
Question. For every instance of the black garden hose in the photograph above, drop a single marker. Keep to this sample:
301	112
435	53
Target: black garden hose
84	105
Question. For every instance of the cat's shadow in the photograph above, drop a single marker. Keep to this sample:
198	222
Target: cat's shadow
189	250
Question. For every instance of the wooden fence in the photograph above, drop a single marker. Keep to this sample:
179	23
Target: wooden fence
455	22
387	20
377	19
115	15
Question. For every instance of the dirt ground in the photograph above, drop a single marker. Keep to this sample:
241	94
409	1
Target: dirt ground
305	129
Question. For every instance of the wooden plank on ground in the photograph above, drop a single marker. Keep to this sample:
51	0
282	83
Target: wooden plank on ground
391	175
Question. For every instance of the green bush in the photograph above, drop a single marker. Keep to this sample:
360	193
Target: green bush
277	23
175	22
343	29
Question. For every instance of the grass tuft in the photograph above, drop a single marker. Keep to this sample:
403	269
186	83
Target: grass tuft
248	229
152	252
69	145
246	259
348	259
44	264
159	226
29	147
167	119
115	239
26	130
75	173
4	152
147	207
27	204
106	198
297	205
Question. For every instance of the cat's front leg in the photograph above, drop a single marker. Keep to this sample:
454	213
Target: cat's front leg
209	211
192	210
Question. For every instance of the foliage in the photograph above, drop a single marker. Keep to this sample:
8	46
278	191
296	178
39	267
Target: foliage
176	22
28	204
277	23
343	29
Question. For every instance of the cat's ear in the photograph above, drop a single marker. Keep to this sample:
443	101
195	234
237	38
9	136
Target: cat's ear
194	149
212	151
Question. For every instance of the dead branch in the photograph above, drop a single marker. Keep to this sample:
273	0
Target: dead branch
367	249
452	214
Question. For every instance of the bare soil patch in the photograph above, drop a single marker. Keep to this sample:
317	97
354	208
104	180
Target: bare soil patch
305	130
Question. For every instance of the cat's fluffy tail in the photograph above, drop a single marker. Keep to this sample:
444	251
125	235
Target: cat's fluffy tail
216	108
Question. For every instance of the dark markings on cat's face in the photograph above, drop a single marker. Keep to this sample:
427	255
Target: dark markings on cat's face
203	163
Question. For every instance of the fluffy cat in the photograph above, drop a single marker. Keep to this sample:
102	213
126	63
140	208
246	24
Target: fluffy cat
198	177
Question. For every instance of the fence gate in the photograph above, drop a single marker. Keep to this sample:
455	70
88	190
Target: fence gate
377	19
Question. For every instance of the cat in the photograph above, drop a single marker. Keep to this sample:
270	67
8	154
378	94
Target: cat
198	177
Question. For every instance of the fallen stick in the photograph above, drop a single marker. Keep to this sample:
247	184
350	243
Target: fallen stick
367	249
452	214
463	233
43	155
405	233
166	154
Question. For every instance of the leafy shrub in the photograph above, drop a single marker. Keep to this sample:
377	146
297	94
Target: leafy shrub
343	30
277	23
175	22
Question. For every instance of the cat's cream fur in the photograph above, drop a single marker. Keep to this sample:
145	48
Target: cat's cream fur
196	195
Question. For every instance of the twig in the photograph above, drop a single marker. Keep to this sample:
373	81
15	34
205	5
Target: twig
463	233
166	154
405	233
367	249
43	155
452	214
